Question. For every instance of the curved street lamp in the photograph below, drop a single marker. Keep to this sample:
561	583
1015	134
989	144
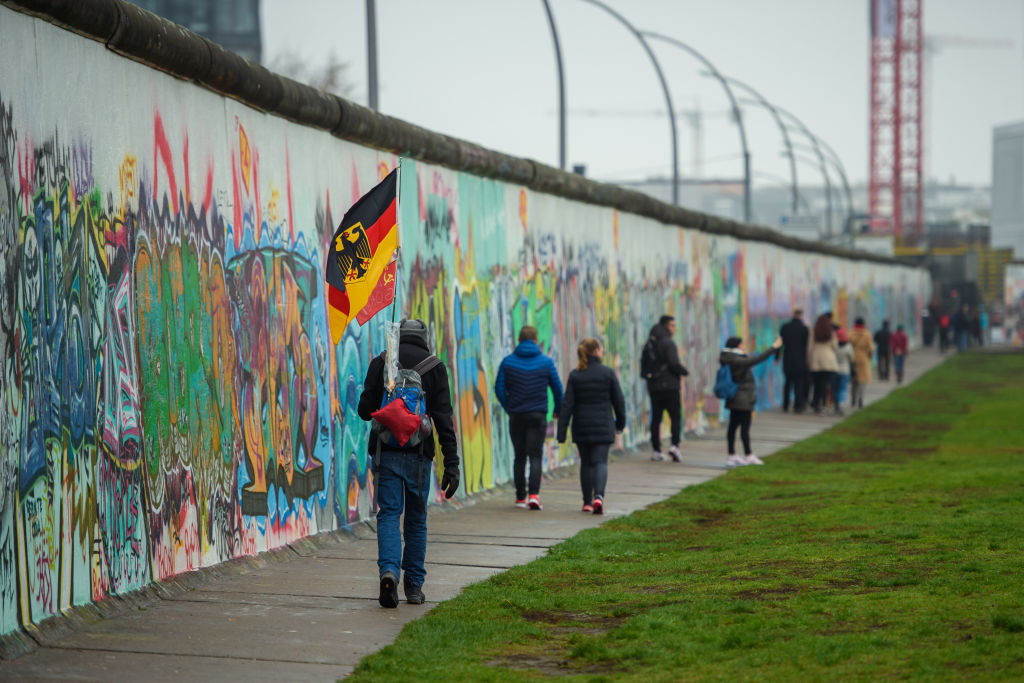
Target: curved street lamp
737	114
664	89
760	100
561	85
821	162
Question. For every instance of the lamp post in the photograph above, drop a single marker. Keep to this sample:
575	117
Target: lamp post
664	89
821	163
561	84
371	53
759	99
737	114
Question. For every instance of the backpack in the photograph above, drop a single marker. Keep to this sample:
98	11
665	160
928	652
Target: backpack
725	387
402	419
650	359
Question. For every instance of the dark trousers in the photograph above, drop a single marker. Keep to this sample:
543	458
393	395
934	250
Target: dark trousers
528	431
822	381
740	419
593	470
796	382
883	366
660	402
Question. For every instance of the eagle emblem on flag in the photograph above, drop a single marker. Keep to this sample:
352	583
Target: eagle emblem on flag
352	249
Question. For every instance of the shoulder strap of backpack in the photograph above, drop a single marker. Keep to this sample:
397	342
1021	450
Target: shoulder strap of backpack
426	365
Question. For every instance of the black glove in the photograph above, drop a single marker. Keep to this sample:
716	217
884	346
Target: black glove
450	480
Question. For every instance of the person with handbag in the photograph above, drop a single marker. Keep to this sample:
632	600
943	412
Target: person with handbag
741	404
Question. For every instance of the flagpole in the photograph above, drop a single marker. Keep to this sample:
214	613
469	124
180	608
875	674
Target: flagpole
398	227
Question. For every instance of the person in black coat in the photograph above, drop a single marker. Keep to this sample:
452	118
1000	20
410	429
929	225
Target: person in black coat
742	404
882	348
664	387
401	476
593	402
794	336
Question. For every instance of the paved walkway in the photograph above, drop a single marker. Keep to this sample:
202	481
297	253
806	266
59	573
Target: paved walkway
310	612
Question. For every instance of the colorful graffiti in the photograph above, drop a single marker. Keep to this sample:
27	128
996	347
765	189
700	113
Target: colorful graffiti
171	398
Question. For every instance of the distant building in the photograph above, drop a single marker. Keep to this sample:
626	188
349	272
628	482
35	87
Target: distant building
235	24
1008	187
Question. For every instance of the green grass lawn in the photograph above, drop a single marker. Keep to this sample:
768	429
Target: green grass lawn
890	546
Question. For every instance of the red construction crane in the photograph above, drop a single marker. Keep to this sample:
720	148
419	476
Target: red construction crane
896	185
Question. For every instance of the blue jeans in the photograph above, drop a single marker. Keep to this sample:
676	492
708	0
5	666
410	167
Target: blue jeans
897	364
402	483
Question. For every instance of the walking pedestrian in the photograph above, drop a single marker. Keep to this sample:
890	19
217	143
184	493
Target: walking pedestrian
944	330
863	348
660	366
402	474
983	322
883	349
741	405
594	405
794	336
899	343
844	359
524	379
961	329
821	358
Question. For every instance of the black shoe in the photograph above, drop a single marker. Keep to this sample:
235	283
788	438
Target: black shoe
388	590
413	593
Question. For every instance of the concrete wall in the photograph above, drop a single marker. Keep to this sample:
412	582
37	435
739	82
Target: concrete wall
171	398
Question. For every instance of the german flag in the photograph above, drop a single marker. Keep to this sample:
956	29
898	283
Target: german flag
360	253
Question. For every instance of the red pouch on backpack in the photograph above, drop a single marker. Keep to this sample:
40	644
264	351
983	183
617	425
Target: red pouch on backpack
398	419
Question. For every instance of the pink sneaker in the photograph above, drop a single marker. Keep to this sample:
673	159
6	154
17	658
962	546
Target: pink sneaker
535	502
598	506
751	459
588	508
521	503
675	454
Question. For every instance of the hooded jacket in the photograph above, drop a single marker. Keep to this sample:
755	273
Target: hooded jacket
794	346
741	364
592	397
524	377
669	377
412	349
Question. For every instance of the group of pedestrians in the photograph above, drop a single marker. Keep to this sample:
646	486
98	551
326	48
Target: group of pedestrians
963	327
836	360
409	413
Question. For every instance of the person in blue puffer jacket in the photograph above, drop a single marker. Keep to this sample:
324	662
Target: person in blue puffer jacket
522	384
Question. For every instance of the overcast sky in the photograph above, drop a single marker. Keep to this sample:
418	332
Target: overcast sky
484	70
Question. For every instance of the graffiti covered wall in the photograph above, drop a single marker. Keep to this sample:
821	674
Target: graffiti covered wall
171	398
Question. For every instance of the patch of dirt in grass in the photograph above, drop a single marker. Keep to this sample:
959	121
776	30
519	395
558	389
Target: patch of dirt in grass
555	664
709	516
867	454
768	594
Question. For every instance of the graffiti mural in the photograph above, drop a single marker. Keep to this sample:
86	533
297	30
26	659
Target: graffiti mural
171	397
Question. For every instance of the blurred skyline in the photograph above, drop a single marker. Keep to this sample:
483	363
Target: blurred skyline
485	72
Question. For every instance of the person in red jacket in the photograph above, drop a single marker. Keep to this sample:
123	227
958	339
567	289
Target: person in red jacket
898	345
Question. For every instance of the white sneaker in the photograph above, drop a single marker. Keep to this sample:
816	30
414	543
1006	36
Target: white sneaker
675	454
735	461
752	460
657	456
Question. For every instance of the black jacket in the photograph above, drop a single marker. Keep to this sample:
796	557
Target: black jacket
411	350
669	377
794	346
741	364
882	338
591	397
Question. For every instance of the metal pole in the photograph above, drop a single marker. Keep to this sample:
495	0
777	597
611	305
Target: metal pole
664	89
821	162
561	85
371	52
785	138
737	114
